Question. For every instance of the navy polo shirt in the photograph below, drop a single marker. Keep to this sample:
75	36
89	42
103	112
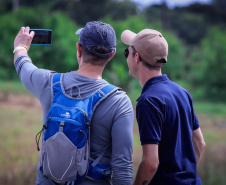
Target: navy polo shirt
166	117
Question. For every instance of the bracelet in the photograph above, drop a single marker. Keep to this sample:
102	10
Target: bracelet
19	47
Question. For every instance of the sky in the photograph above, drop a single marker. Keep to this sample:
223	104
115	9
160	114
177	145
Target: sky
171	3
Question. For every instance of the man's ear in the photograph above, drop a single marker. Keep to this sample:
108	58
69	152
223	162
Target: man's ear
79	48
113	54
137	57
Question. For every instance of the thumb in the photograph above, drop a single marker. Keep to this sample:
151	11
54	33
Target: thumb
32	34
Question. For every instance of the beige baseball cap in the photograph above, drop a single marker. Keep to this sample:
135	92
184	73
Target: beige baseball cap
150	44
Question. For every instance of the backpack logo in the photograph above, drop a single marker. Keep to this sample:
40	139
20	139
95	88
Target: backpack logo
66	115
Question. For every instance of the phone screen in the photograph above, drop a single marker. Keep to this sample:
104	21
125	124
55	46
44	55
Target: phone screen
42	36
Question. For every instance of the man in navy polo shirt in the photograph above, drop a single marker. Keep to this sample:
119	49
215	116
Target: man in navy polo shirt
170	135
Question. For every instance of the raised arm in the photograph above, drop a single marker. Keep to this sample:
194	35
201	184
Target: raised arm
22	42
33	79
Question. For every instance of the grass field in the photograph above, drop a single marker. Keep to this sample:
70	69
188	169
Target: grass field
20	115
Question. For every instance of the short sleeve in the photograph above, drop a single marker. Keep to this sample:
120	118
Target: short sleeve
149	120
195	122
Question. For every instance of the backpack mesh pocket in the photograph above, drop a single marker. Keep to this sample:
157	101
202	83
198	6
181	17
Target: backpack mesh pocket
60	157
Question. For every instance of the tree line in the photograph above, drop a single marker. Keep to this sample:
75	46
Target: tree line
195	34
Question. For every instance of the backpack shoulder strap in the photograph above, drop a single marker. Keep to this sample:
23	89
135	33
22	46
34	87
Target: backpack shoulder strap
56	82
56	78
55	85
108	89
100	156
105	91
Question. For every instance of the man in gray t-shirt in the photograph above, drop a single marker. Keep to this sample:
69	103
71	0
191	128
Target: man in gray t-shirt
112	121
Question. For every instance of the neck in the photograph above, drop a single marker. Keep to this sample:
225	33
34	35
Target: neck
90	71
147	75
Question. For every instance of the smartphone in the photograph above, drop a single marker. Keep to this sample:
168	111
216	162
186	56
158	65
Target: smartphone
42	37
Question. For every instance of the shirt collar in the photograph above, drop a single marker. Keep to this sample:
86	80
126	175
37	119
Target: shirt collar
152	81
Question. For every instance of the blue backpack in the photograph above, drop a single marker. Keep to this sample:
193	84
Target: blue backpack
66	145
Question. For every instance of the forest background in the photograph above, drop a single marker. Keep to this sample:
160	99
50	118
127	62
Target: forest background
196	35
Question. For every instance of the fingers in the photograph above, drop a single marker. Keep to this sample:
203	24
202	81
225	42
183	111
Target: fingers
24	38
22	30
27	30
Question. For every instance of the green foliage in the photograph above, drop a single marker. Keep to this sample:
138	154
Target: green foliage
82	11
174	67
196	60
12	86
93	10
190	27
210	67
120	10
117	70
153	13
6	5
212	109
193	65
60	56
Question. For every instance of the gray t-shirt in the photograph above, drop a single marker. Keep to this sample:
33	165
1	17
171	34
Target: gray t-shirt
112	123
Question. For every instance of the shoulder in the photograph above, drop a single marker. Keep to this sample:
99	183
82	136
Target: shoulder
120	98
119	104
151	106
113	108
183	93
148	98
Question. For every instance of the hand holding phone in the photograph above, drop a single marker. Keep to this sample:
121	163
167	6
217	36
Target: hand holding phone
42	37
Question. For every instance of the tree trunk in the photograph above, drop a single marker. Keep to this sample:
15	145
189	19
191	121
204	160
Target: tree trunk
164	15
15	5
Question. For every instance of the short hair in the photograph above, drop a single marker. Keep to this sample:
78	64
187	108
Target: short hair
149	66
91	58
